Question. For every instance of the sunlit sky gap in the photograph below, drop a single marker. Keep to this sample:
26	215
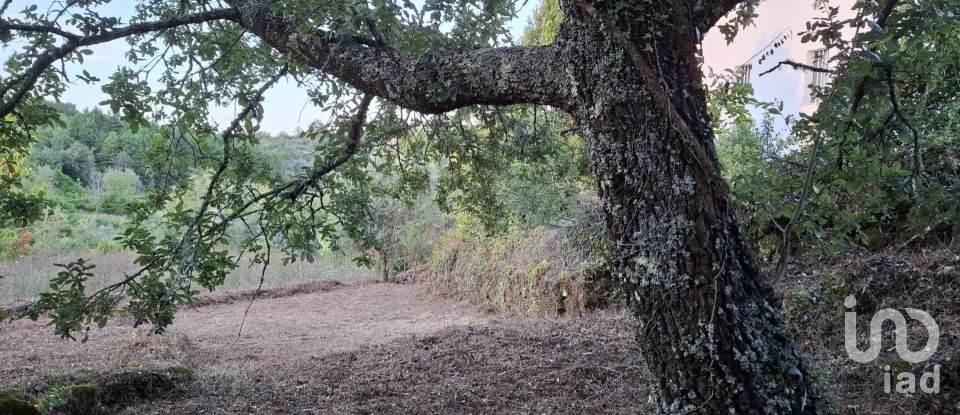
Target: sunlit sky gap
286	107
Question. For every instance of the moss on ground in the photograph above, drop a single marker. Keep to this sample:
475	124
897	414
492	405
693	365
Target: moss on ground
78	399
90	396
17	403
82	398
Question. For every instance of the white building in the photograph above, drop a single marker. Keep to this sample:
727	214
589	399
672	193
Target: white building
775	37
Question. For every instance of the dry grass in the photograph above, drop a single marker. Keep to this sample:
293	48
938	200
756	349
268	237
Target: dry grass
516	365
928	280
296	288
279	334
541	272
388	348
27	276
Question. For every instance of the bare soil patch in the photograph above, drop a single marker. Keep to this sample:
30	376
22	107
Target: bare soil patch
303	320
388	348
587	365
279	330
369	348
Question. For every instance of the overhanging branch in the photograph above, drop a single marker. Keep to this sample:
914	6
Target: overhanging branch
21	84
430	83
353	144
18	27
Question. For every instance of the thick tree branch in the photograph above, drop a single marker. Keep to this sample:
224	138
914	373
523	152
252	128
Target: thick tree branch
432	83
22	84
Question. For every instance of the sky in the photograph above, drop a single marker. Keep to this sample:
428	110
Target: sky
286	107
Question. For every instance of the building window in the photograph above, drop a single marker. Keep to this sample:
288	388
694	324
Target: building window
742	74
818	80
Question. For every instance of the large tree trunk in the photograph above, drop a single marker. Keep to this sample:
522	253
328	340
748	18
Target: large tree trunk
711	330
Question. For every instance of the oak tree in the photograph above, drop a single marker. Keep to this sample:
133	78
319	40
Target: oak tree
400	79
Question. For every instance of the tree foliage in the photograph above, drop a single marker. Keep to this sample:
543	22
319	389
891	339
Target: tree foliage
210	58
410	86
877	164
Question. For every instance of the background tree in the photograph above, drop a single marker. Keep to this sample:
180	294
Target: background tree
117	189
627	73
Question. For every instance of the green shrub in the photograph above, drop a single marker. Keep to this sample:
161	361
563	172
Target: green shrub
857	197
73	399
17	403
119	188
69	194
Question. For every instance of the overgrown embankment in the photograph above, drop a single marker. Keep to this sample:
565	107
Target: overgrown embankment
537	272
50	376
813	293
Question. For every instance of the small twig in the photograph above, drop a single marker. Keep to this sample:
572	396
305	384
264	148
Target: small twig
804	195
3	8
227	137
797	65
27	79
353	145
263	277
898	110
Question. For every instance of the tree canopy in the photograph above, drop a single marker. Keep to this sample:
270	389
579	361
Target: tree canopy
440	83
185	57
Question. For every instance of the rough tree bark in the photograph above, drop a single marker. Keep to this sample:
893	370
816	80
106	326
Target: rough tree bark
710	329
709	326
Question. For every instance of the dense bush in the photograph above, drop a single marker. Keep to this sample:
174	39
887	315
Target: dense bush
61	231
117	189
862	201
69	194
64	154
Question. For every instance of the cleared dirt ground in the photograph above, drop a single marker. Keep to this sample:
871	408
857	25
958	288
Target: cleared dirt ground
324	348
370	348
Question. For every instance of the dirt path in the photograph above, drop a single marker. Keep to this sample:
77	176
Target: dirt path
393	349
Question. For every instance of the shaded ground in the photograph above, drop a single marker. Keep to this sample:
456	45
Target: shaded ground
523	366
386	348
371	348
925	279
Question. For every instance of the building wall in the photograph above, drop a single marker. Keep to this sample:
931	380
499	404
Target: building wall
779	20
